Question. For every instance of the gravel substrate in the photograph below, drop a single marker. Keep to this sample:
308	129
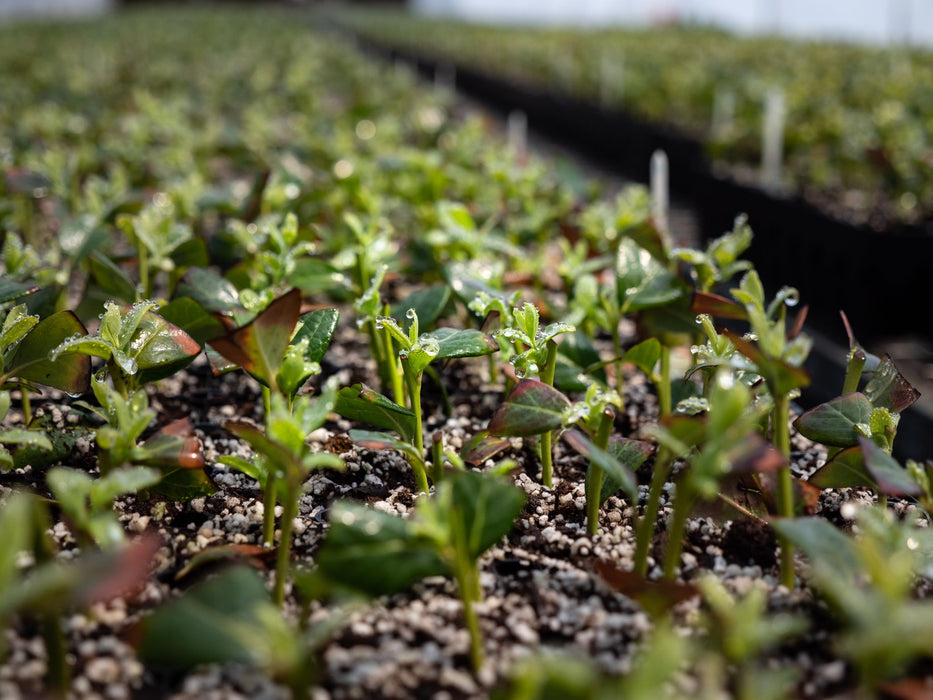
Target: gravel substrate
540	589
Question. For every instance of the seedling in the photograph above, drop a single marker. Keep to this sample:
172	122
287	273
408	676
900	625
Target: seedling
535	408
53	587
468	514
25	343
285	460
230	619
417	351
538	358
723	442
137	344
868	580
88	503
280	347
174	449
777	359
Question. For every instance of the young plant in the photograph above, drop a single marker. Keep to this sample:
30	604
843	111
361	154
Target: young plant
284	461
725	441
868	581
846	422
52	587
538	357
25	344
87	503
535	408
230	619
280	347
174	450
137	344
740	630
777	359
417	351
468	514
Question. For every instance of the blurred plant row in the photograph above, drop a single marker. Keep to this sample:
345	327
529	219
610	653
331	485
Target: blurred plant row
858	120
226	186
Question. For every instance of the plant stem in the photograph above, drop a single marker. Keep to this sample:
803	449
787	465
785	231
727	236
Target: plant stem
547	460
664	386
144	282
268	513
58	675
437	457
285	543
683	504
617	353
413	382
594	474
468	582
785	485
26	404
391	369
659	475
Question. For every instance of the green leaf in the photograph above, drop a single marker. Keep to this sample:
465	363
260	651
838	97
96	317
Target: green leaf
222	620
210	290
111	278
618	474
318	327
580	357
376	553
314	276
531	408
185	485
253	469
21	436
644	356
360	403
846	470
160	348
259	346
486	508
70	373
12	291
781	377
189	316
454	343
828	549
631	454
642	282
889	389
836	422
381	441
191	253
428	303
891	477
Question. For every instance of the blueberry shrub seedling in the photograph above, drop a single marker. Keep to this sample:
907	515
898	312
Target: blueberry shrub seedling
537	357
284	461
468	513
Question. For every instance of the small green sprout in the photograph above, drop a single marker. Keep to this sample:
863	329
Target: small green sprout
537	357
138	345
87	503
283	463
374	553
417	351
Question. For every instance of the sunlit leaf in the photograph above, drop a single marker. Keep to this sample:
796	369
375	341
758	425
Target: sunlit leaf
318	327
360	403
259	346
531	408
889	389
836	422
70	373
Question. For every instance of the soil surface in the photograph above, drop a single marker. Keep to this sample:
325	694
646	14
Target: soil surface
544	586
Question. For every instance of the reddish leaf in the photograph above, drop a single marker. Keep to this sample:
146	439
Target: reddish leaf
125	575
259	346
716	305
657	596
481	447
781	376
210	558
889	388
531	408
892	478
